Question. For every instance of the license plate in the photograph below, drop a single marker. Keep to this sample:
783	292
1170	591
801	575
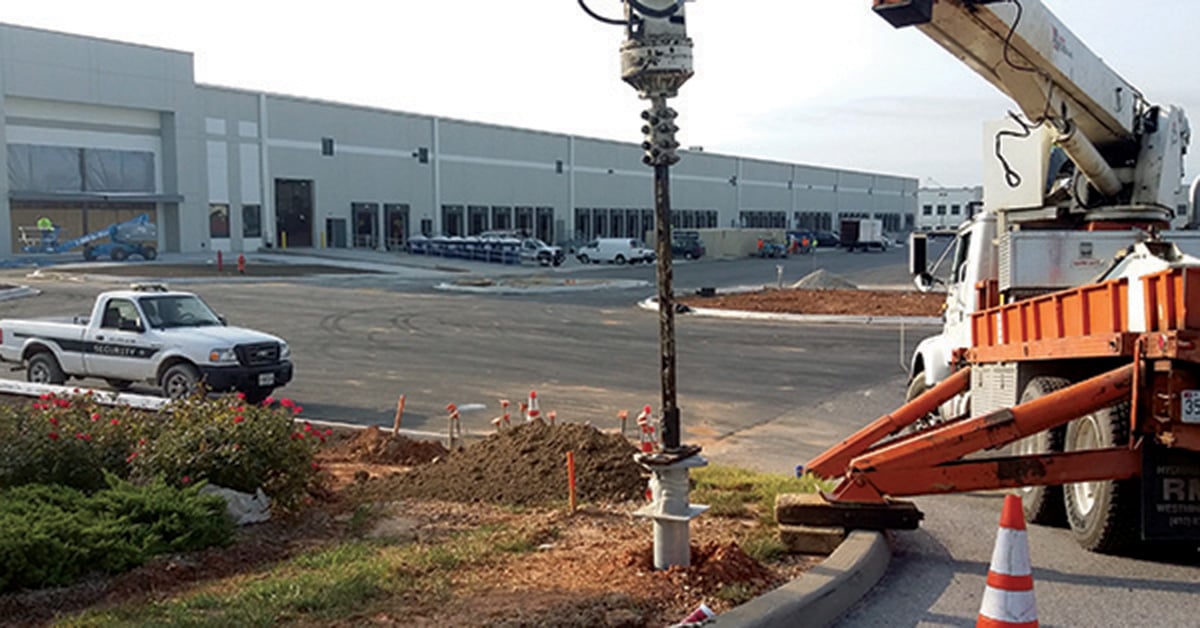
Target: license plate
1189	406
268	379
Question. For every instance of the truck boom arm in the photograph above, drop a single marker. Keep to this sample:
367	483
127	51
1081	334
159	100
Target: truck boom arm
1023	50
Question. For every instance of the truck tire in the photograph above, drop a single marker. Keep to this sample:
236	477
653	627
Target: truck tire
149	253
255	396
1104	515
119	254
916	388
43	368
180	381
583	259
1042	504
619	259
89	254
120	385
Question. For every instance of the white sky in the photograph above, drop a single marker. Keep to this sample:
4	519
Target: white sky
817	82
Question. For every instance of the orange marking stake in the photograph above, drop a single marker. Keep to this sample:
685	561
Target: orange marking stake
241	264
1008	600
623	416
220	262
571	477
399	416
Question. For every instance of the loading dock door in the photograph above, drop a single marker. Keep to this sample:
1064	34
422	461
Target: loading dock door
395	217
293	212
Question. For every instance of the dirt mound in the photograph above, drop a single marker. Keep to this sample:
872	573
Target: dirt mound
713	567
374	446
834	302
822	279
526	465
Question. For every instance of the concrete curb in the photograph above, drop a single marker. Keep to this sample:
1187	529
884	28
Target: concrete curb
823	594
27	389
615	284
19	292
651	303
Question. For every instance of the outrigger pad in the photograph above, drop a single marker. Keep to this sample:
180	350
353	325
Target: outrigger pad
812	509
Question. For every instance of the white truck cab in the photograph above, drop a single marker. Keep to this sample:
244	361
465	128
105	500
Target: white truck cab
169	339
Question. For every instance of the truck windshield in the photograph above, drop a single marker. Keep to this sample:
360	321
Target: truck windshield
177	311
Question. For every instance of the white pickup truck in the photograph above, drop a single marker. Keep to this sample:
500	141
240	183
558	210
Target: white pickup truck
169	339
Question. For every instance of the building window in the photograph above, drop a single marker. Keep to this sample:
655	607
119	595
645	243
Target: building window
941	210
218	220
251	221
955	210
927	210
327	146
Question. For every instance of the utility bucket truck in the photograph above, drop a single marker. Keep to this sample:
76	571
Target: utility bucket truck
1070	351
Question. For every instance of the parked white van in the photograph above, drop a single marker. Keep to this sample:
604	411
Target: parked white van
615	250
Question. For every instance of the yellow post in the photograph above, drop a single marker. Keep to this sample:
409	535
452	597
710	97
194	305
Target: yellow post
283	240
322	239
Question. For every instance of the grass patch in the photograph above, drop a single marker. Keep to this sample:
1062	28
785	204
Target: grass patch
338	583
734	492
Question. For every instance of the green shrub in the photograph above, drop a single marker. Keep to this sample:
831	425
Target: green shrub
53	535
75	441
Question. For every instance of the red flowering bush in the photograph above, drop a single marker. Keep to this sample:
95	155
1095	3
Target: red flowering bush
223	441
232	444
71	442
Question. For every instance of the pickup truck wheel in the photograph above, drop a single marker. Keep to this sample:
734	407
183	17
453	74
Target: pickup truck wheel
619	259
1042	504
583	259
916	388
119	384
1104	515
44	369
180	381
255	396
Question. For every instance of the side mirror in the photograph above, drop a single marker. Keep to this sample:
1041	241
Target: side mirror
918	262
221	317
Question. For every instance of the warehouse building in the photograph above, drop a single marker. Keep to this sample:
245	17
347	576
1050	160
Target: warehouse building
98	132
946	208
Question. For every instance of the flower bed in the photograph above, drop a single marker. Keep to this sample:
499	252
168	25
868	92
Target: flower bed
87	486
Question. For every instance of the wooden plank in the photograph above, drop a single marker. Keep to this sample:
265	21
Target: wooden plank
812	509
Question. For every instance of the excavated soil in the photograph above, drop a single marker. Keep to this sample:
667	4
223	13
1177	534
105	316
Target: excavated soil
593	567
526	465
829	302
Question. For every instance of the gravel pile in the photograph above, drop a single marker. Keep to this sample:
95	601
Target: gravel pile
823	280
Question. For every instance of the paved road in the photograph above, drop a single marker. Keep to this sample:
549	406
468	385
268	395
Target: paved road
761	395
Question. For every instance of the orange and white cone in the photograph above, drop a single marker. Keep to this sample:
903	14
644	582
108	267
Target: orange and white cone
534	413
1008	600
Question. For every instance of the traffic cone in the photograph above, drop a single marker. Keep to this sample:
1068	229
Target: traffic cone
1008	599
533	413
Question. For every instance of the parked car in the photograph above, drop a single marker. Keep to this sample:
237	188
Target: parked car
770	248
615	250
687	246
532	249
827	239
